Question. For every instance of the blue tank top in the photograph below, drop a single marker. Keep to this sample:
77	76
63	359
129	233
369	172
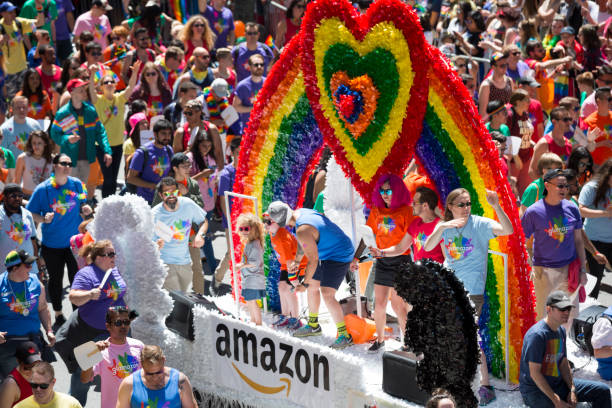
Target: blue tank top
19	305
167	397
333	244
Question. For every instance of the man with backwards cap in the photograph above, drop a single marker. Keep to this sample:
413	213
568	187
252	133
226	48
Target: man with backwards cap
329	253
545	378
17	228
16	387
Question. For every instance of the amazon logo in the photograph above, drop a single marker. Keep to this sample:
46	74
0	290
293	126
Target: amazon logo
276	357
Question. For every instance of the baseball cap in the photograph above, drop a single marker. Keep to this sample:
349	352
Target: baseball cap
75	83
18	257
568	30
11	188
220	88
552	174
529	81
7	6
27	352
102	3
279	212
135	119
558	299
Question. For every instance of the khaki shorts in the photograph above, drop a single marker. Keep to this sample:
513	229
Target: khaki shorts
178	278
547	280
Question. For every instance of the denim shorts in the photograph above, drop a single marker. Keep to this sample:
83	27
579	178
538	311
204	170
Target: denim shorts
253	294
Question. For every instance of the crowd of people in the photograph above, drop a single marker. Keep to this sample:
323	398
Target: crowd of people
86	90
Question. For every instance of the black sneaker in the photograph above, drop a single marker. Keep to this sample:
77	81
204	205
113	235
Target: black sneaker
376	347
59	321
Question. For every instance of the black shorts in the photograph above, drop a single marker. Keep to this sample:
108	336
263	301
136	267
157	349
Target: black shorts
385	269
331	273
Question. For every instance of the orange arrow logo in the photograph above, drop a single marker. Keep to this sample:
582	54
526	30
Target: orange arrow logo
262	388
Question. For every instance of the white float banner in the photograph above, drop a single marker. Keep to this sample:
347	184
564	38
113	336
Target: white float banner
249	360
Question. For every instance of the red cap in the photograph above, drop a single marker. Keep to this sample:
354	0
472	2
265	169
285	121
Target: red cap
75	83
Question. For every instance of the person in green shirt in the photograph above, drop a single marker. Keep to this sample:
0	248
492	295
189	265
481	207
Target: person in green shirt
32	8
534	191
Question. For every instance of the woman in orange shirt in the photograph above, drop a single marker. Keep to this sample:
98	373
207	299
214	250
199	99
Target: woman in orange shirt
389	219
40	103
286	246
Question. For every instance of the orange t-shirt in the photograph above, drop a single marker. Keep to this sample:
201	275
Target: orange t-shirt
38	109
285	245
600	154
390	225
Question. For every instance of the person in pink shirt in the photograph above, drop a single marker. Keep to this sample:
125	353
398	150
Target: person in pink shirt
96	22
120	356
424	206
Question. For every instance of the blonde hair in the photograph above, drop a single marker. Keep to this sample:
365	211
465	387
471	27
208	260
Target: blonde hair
208	37
257	229
448	215
152	354
94	250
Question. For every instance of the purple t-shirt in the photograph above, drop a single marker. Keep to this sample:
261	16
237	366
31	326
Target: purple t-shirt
226	183
61	24
156	167
242	54
94	311
221	22
553	229
247	91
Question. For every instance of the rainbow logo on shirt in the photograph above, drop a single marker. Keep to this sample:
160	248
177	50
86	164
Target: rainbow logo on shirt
113	290
154	403
179	229
19	232
20	141
459	247
20	305
98	31
419	241
159	165
156	108
126	365
558	228
36	107
387	225
220	24
551	357
64	203
254	97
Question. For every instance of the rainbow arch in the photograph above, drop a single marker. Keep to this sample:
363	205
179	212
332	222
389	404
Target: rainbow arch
283	142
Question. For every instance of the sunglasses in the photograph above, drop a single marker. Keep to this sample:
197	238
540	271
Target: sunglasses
252	33
144	39
561	186
301	6
15	195
124	322
244	229
567	120
516	53
267	222
565	309
42	386
65	164
155	373
461	65
388	191
188	113
151	74
198	25
463	205
583	164
174	193
109	254
257	65
108	83
96	54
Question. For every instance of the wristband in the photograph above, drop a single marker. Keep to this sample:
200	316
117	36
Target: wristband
597	253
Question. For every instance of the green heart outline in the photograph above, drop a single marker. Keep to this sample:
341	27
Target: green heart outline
380	65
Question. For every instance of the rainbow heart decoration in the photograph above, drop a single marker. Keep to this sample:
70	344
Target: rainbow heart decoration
366	78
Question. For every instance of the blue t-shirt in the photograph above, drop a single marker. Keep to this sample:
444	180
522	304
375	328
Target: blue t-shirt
156	167
176	252
553	229
226	183
466	250
597	229
242	54
19	305
221	23
247	91
65	202
543	346
94	311
15	135
333	244
17	232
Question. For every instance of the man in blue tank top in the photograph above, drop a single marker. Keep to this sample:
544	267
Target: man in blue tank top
329	253
155	384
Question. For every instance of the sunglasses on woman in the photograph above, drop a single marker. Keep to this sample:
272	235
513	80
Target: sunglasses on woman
110	254
267	222
463	205
244	229
387	191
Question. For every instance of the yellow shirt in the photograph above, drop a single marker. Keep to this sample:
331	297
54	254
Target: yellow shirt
60	400
111	115
128	147
14	54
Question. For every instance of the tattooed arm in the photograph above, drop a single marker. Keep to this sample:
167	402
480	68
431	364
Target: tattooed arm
186	392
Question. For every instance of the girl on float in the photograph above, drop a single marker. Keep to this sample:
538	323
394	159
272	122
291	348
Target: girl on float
464	239
389	219
251	233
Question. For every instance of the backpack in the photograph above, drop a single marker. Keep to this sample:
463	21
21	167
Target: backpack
582	327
